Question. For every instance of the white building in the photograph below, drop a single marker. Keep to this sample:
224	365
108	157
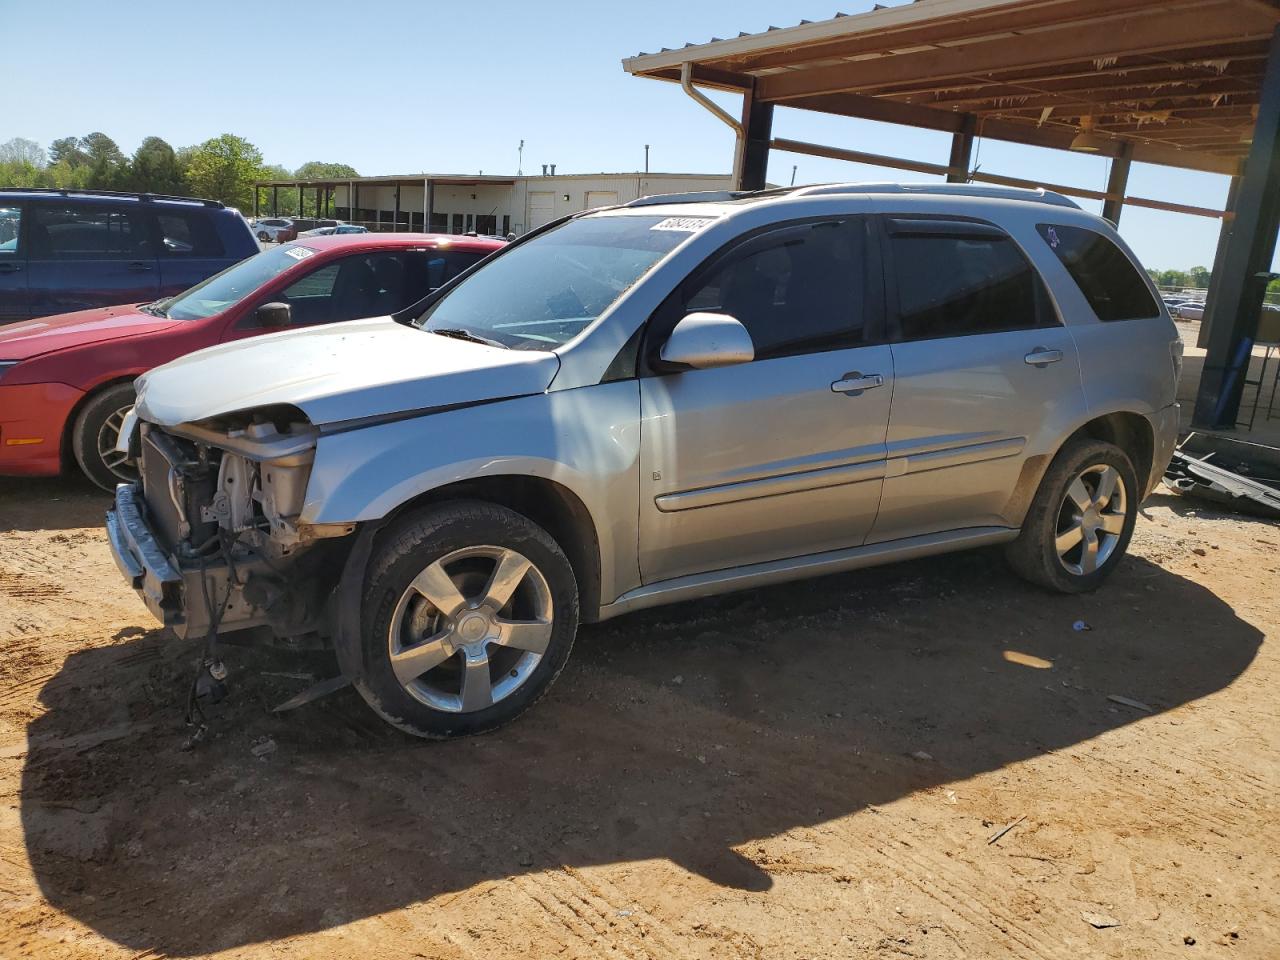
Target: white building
454	203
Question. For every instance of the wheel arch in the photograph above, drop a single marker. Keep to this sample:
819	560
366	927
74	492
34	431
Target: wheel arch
65	454
549	504
1132	432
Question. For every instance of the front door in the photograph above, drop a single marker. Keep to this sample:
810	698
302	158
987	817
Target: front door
85	255
782	456
13	265
983	367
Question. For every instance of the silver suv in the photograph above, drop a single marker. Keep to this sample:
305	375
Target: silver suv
638	405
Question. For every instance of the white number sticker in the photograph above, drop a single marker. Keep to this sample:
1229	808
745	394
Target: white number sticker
682	224
299	253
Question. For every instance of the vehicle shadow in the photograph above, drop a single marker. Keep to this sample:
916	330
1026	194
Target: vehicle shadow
682	733
50	503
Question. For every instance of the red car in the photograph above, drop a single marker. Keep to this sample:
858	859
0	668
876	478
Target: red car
66	382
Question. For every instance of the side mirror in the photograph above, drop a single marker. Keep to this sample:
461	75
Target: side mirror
274	314
703	340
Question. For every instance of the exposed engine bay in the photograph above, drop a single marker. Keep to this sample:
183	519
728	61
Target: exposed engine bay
224	498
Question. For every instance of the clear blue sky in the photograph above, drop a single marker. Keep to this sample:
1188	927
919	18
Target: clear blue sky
398	87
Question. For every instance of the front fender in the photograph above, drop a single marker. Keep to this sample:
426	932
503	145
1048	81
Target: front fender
587	440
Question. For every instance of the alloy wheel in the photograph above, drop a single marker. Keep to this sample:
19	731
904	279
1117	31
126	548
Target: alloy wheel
1091	519
108	435
471	628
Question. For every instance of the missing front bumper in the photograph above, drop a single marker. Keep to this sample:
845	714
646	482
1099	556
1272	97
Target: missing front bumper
142	559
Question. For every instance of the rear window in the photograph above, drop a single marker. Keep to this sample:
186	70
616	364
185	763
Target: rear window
1107	278
185	233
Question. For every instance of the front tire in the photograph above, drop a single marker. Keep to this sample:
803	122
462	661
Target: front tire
1081	520
469	614
94	436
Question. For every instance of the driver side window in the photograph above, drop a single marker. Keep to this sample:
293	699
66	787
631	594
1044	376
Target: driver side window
365	285
797	290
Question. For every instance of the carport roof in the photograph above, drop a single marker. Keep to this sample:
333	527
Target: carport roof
1177	82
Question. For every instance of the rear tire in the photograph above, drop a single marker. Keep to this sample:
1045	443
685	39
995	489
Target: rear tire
94	435
469	614
1081	520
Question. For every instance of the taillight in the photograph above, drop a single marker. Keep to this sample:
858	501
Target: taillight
1175	354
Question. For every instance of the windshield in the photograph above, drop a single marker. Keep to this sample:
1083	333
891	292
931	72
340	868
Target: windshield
543	293
233	284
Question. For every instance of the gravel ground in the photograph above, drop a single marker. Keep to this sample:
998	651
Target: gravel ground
816	770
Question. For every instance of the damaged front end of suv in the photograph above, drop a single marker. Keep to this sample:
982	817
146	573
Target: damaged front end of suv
210	535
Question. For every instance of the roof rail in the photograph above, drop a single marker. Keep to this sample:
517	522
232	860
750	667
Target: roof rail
131	194
707	196
992	191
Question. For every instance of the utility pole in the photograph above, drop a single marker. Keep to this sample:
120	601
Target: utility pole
646	158
520	161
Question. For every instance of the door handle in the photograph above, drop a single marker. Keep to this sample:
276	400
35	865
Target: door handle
10	267
1042	356
140	266
854	383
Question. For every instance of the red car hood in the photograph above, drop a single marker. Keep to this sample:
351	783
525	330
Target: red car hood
30	338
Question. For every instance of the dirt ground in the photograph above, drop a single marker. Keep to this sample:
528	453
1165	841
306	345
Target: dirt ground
813	770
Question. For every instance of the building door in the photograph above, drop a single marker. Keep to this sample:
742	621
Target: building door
601	198
542	208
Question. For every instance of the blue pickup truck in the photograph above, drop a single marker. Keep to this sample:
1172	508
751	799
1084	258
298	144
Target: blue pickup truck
65	250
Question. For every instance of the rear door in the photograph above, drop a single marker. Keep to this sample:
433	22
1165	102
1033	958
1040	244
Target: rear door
982	366
190	249
13	264
782	456
83	255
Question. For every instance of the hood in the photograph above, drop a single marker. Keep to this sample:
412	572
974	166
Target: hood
342	371
30	338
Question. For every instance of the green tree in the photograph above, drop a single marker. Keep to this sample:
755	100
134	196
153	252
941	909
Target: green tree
1199	277
317	170
106	162
224	168
155	168
67	149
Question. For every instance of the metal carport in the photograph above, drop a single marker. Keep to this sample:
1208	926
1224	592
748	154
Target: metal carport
1181	83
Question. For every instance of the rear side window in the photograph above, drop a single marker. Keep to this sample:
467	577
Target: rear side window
796	290
1107	278
73	231
10	224
429	269
185	233
963	284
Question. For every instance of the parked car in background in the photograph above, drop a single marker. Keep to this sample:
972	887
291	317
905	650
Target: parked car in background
1190	310
66	381
651	403
273	229
63	250
340	229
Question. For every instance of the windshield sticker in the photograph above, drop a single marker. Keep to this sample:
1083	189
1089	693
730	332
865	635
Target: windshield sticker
299	253
682	224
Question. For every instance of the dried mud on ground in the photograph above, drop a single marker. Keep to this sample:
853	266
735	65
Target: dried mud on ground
812	770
